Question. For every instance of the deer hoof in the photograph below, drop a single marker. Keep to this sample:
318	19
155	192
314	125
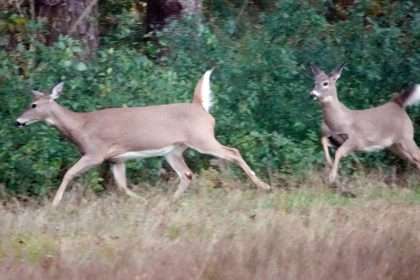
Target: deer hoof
55	203
331	179
135	196
265	186
348	194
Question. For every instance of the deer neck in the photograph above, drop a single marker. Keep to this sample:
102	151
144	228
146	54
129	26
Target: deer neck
330	104
336	114
69	123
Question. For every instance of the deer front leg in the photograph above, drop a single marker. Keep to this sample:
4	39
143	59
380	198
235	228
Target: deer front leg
118	171
177	162
85	163
343	151
325	144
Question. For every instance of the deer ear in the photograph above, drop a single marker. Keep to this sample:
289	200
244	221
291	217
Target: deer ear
37	94
315	70
56	91
336	73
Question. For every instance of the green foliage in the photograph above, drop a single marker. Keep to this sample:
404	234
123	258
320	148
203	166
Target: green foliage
261	83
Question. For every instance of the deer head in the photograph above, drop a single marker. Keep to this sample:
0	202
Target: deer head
325	85
41	106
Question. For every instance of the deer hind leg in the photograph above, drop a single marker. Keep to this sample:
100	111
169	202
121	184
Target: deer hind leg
214	148
176	161
408	150
397	150
118	171
84	164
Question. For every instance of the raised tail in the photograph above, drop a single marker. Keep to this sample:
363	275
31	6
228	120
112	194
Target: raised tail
409	96
202	92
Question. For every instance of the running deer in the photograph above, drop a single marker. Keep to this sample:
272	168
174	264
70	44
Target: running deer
120	134
385	126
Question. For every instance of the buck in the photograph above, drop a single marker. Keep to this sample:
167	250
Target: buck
120	134
385	126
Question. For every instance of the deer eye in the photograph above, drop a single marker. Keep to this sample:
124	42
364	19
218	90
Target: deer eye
33	105
325	84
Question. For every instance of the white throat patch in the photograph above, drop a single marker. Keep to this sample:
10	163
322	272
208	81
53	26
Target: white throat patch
326	99
50	121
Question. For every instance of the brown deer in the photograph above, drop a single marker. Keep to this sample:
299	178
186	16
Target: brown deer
385	126
119	134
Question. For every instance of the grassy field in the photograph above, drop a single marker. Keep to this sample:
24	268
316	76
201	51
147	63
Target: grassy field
221	229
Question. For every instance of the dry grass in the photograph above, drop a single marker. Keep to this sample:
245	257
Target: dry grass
215	233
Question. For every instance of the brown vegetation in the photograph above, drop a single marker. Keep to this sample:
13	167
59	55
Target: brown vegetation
214	233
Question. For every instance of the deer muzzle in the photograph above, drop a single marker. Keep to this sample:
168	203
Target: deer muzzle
20	124
315	94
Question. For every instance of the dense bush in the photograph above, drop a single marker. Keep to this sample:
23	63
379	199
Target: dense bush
261	82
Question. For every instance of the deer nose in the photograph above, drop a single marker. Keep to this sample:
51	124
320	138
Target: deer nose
19	124
315	94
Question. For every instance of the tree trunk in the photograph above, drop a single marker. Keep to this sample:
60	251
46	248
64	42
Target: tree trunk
76	18
160	12
338	9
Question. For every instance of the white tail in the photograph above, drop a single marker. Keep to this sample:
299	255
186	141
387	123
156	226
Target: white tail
409	96
385	126
202	93
119	134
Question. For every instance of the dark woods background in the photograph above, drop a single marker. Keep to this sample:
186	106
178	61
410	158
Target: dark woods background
133	53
